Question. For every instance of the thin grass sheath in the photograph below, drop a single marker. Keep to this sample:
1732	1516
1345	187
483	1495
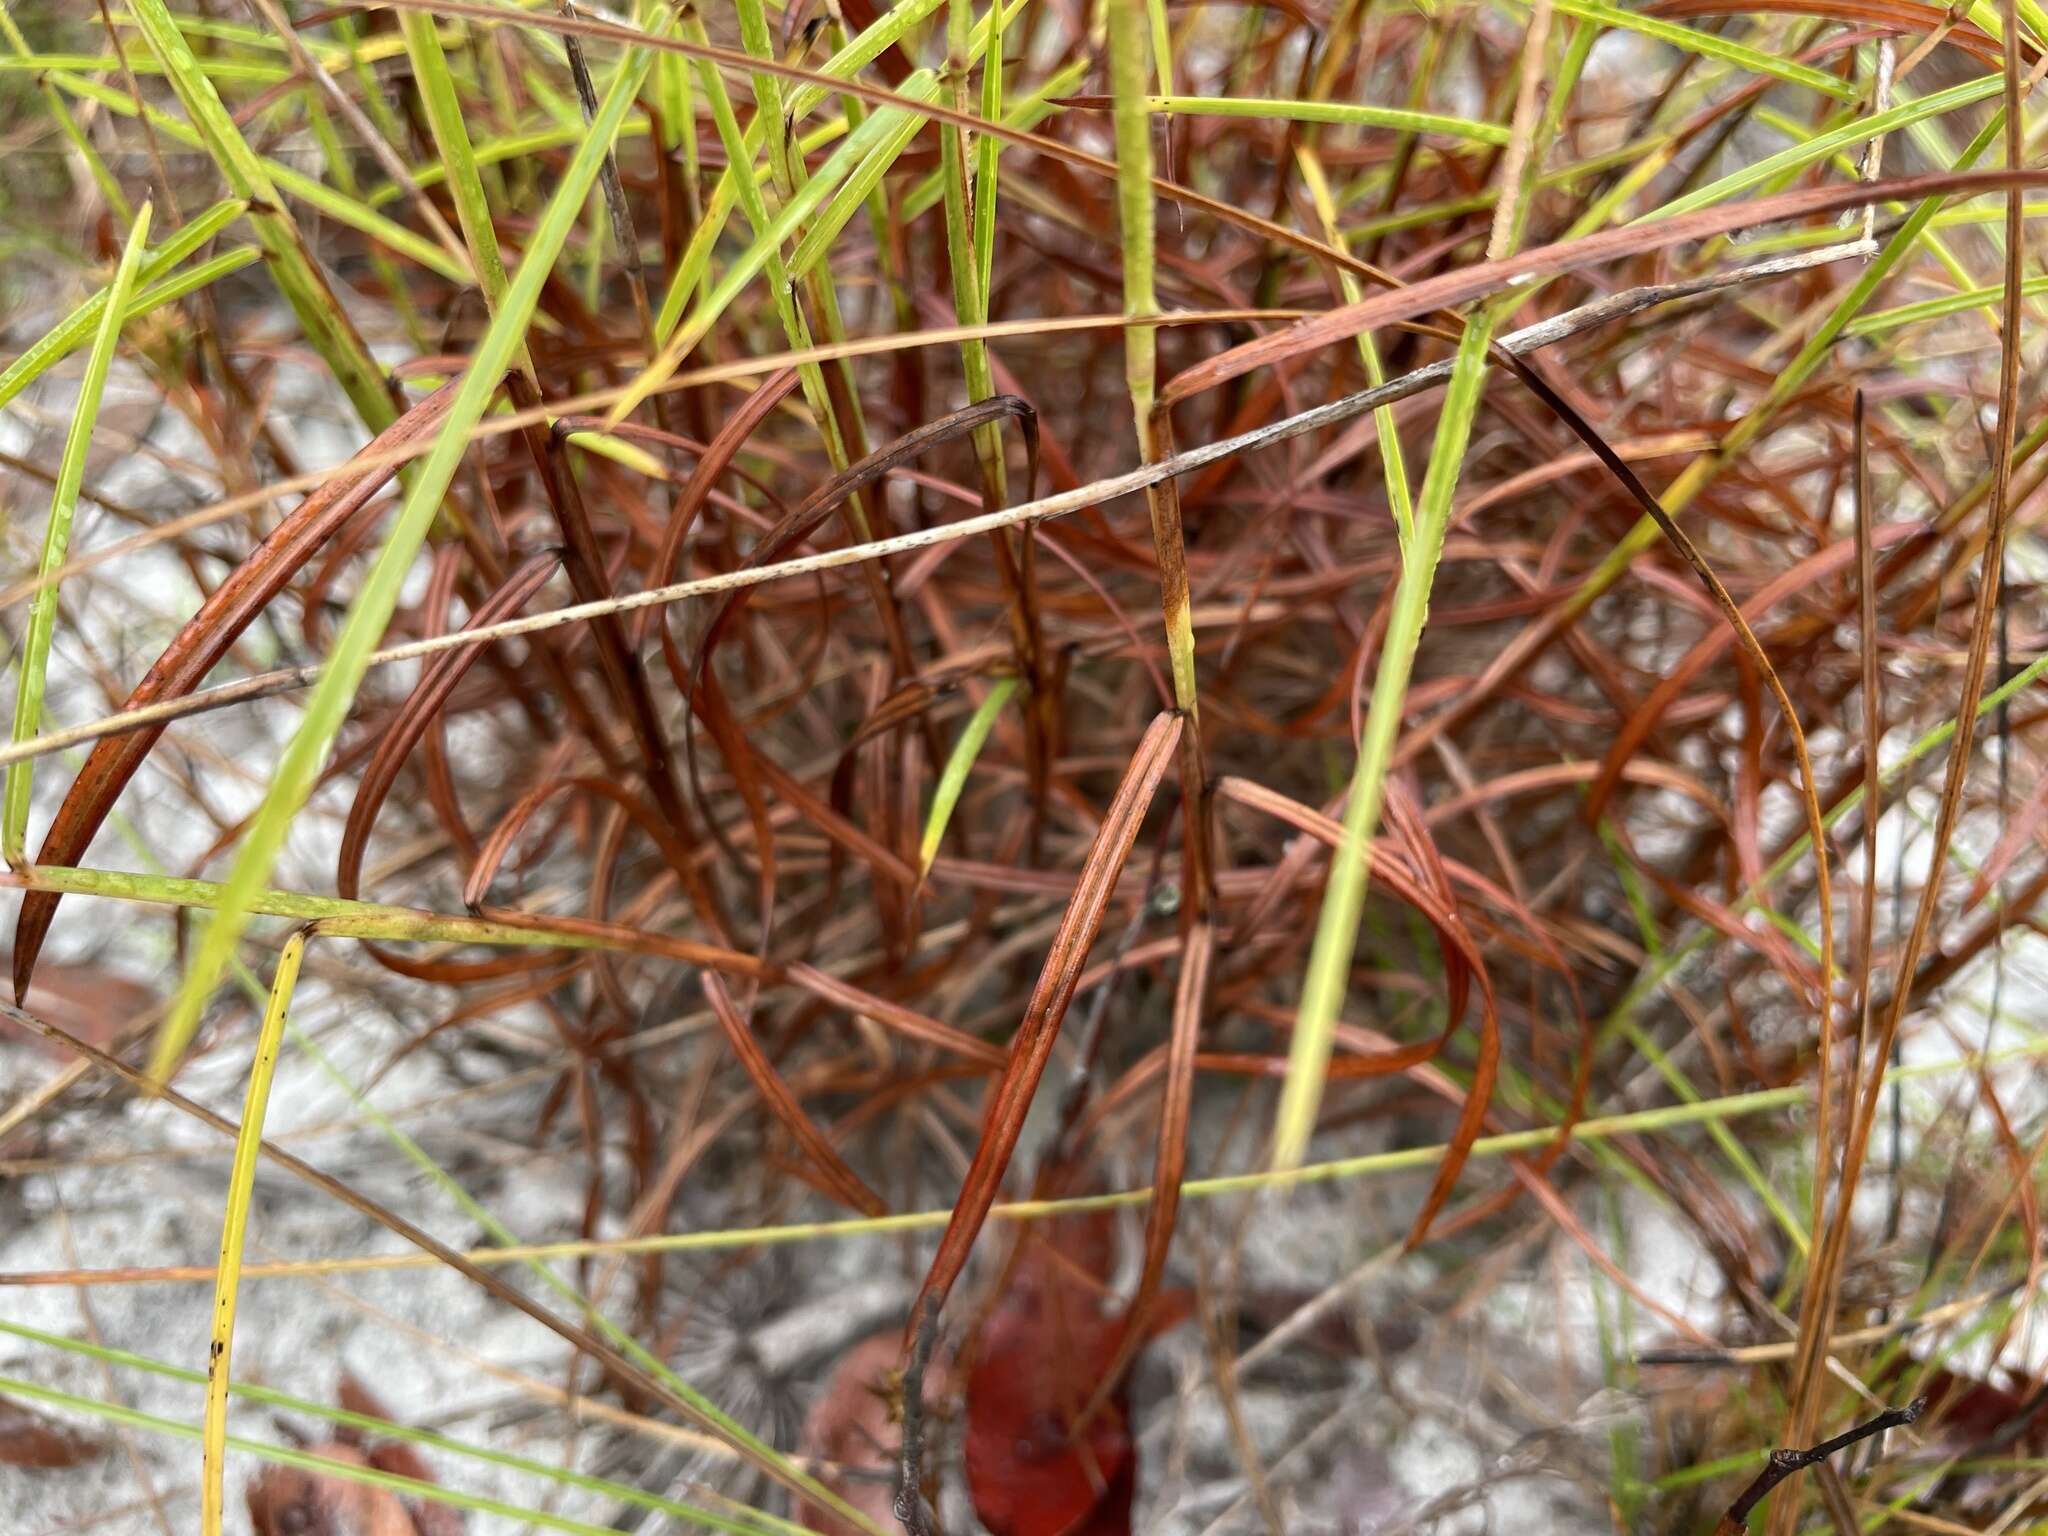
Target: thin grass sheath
818	770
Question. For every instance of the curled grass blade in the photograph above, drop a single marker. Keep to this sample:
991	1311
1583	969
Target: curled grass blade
195	650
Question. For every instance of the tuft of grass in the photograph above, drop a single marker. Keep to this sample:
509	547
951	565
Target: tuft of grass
1588	483
298	769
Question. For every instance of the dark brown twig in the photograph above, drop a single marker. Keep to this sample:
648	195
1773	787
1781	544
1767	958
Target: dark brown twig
1784	1463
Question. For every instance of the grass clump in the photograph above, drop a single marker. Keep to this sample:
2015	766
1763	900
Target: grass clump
623	525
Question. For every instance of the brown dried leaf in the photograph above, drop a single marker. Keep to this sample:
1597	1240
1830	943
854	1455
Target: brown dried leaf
35	1443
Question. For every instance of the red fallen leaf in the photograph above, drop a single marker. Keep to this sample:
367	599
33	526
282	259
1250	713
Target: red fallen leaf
1027	1473
27	1439
855	1425
1039	1359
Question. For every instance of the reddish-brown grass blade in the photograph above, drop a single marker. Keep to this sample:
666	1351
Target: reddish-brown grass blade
711	466
618	661
1171	1160
904	1021
1463	963
697	677
514	822
1481	278
839	1180
1010	1099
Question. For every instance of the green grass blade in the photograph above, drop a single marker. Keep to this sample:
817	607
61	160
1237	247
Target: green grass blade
1025	112
1708	45
207	273
889	30
1393	464
959	763
451	138
1936	309
856	55
874	147
1343	113
1129	70
385	1429
863	150
970	227
1329	965
42	618
729	1428
234	71
1822	145
81	144
987	151
356	213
